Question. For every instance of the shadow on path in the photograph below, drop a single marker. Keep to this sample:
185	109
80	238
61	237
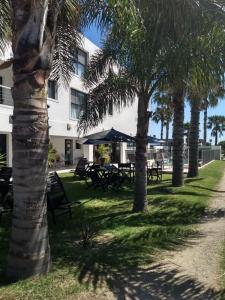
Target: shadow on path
155	283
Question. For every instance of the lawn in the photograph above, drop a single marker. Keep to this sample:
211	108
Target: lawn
121	241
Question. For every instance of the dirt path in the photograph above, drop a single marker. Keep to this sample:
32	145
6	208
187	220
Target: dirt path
191	273
202	258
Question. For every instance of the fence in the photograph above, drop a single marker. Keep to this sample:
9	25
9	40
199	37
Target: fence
206	154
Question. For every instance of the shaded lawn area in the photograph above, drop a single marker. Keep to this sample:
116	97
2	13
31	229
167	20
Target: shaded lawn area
122	241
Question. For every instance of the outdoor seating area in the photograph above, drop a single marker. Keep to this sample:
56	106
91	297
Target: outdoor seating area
113	176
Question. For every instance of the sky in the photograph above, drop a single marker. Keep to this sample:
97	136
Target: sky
93	34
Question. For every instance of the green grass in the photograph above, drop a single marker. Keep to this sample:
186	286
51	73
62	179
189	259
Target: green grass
123	241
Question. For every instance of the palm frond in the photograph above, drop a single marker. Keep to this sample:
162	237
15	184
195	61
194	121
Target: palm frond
67	41
68	38
98	12
101	62
117	91
5	24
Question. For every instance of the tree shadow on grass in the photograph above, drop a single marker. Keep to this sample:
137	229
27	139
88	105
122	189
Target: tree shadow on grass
169	190
116	263
189	180
207	189
125	242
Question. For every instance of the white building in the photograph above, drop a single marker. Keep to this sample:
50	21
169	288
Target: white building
64	108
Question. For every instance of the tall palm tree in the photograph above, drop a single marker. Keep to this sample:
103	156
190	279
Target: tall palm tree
44	36
159	116
164	112
217	125
207	62
148	45
197	96
211	100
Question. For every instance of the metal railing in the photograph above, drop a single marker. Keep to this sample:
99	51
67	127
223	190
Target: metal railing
206	154
6	95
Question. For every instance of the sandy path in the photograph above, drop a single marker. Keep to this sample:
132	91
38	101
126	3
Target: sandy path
191	273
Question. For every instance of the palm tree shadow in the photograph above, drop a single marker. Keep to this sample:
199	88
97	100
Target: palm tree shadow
159	282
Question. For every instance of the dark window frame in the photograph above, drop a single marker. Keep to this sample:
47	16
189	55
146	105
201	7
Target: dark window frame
52	89
78	63
76	116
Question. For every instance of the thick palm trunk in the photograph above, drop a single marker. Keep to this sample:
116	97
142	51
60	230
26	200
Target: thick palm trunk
140	200
178	139
167	132
34	26
193	139
29	252
205	125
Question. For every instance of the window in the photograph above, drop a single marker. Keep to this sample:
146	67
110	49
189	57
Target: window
80	62
110	109
78	146
78	103
52	89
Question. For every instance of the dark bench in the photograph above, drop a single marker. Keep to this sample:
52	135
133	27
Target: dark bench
57	200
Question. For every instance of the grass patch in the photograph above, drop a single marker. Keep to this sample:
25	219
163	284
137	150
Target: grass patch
123	241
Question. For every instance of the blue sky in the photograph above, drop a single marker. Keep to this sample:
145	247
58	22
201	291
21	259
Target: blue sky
94	35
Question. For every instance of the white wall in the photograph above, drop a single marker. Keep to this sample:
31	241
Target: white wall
61	125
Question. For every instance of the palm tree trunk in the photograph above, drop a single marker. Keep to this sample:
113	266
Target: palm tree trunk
140	200
167	132
205	124
216	138
162	126
29	252
193	139
178	138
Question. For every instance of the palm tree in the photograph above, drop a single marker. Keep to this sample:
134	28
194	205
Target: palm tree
164	112
211	100
159	116
147	45
198	99
207	63
44	36
217	125
194	137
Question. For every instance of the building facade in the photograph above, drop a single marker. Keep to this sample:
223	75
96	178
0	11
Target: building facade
65	105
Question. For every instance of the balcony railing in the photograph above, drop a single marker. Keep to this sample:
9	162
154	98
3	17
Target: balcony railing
5	95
